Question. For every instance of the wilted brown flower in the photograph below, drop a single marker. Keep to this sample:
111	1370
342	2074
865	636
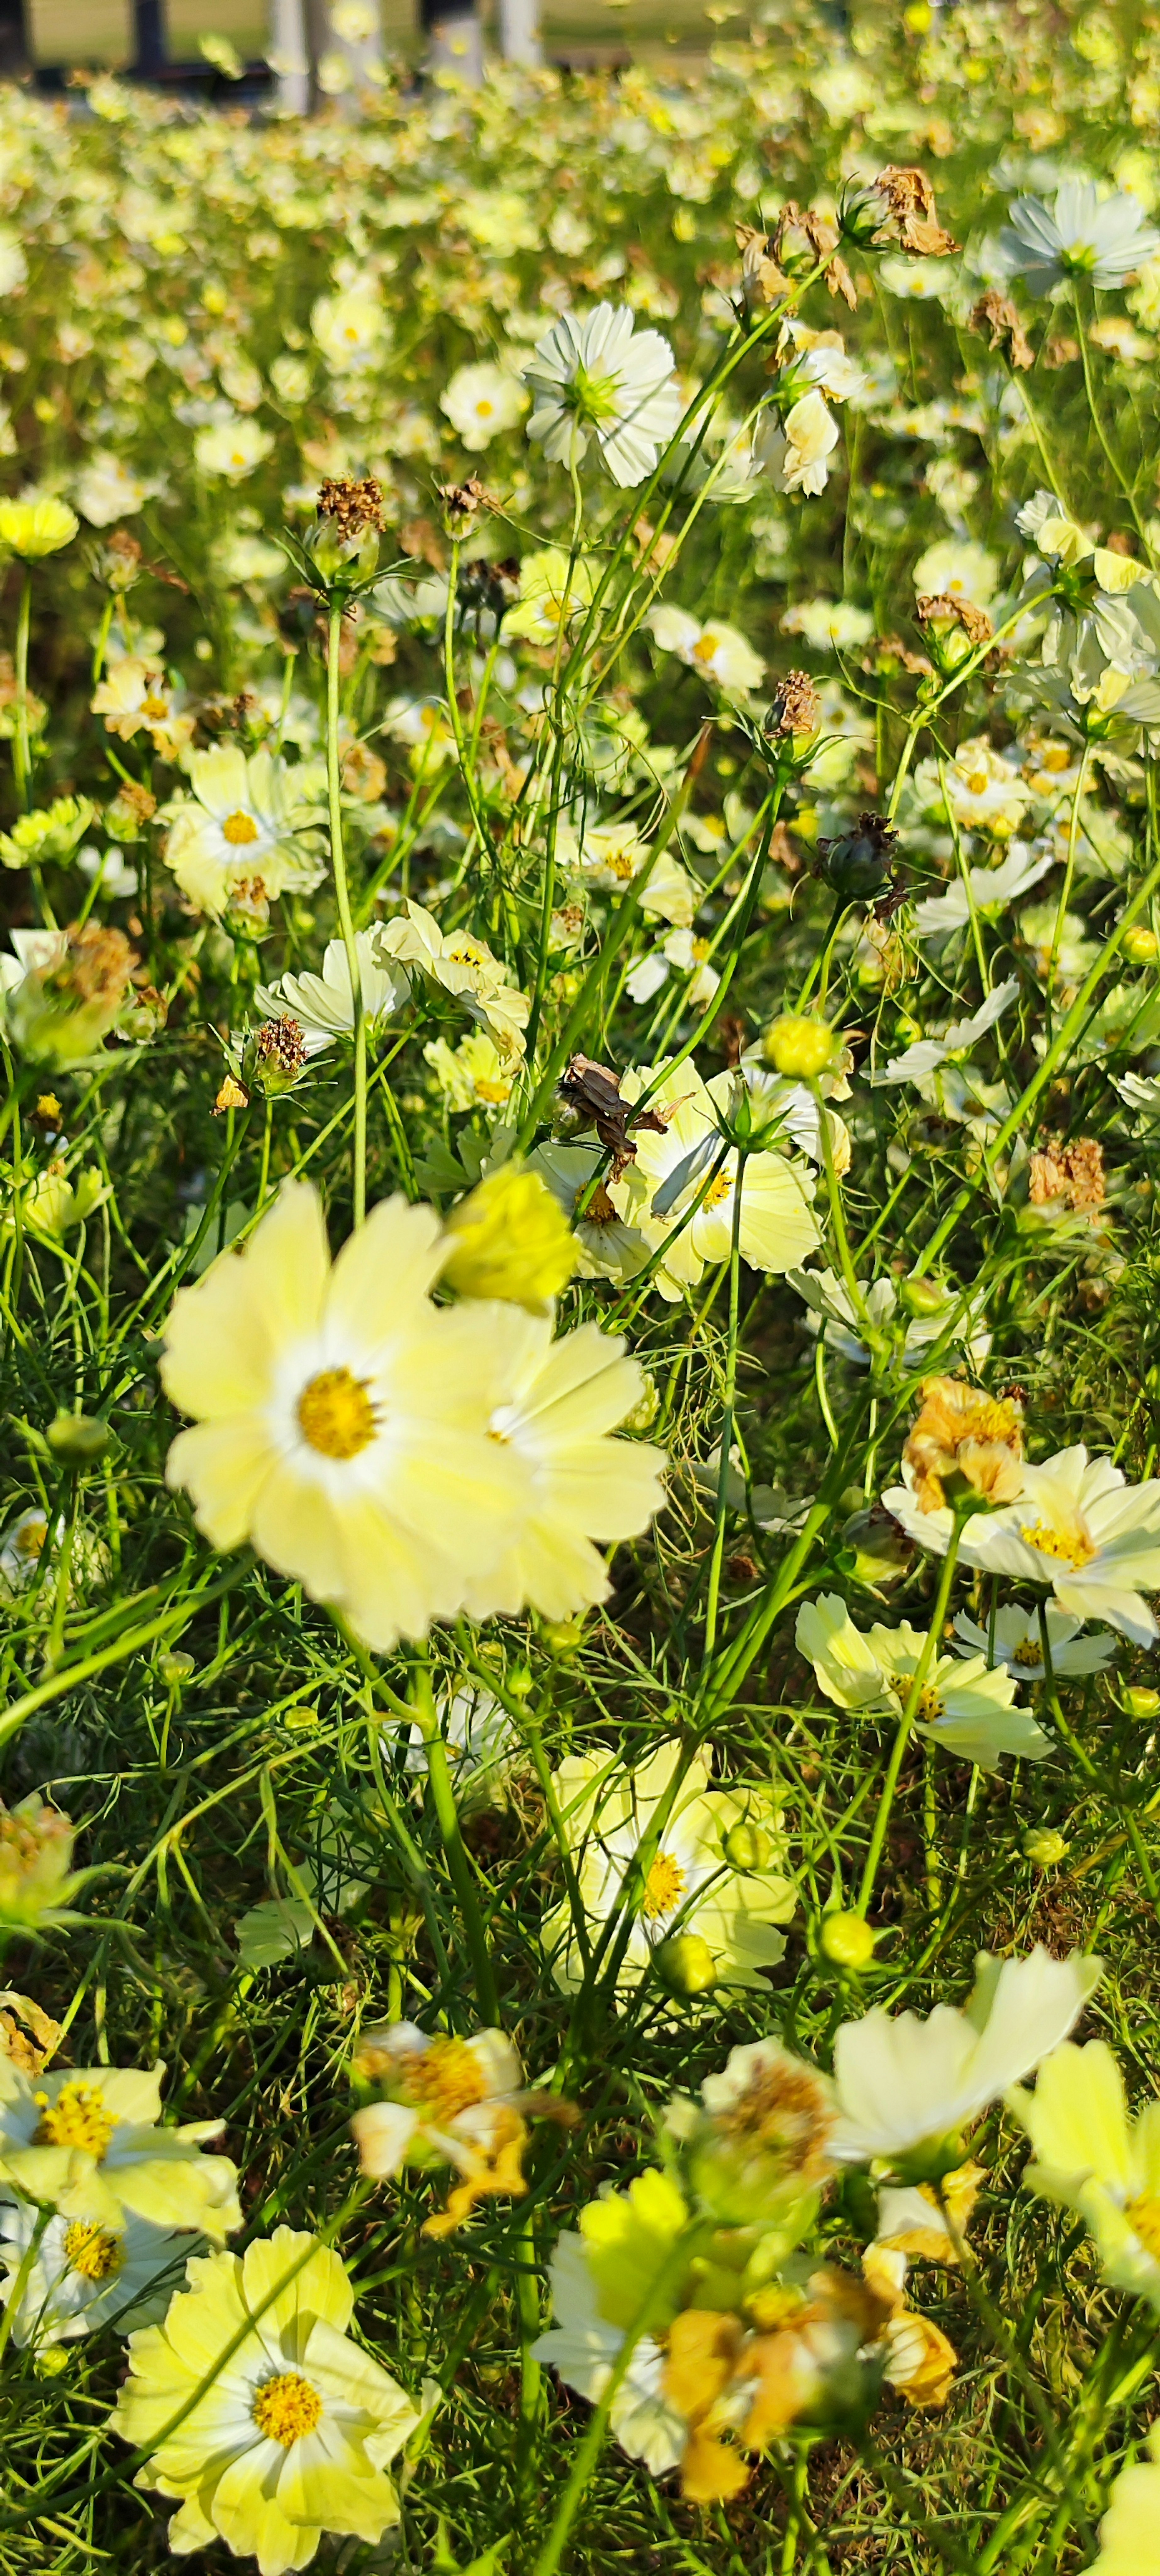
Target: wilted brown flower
462	503
1073	1174
352	505
939	608
280	1047
795	707
762	281
996	314
591	1093
912	220
967	1436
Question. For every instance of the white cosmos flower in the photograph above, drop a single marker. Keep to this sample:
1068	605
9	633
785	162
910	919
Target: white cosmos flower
990	890
669	1175
957	568
351	328
481	401
106	490
1081	1528
968	1710
691	1886
1019	1645
904	2084
584	2345
832	1313
241	825
323	1004
461	965
231	448
925	1057
86	2275
596	376
483	1747
610	1248
829	622
715	649
1081	235
795	452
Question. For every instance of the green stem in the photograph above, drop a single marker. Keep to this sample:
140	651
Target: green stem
447	1819
729	1407
342	898
590	2448
906	1721
21	756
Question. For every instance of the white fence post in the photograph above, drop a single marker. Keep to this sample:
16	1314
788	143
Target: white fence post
519	31
289	57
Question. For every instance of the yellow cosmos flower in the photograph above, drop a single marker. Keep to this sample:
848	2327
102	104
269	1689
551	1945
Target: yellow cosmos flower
292	2437
342	1420
510	1239
34	527
551	1406
1090	2155
87	2140
1130	2530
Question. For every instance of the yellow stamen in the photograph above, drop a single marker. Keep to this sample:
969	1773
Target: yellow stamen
931	1705
286	2408
154	710
79	2117
89	2251
1027	1654
335	1414
664	1886
447	2079
718	1190
238	828
1068	1548
1143	2217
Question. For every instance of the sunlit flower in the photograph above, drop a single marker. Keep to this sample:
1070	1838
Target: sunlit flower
1090	2155
1017	1642
241	826
795	452
691	1886
964	1439
906	2088
88	2140
508	1239
966	1708
322	1004
105	490
1081	1528
608	1247
482	401
85	2275
599	2282
598	377
136	697
553	590
36	525
1081	235
550	1408
472	1075
918	2359
37	1879
232	448
341	1419
294	2432
351	328
444	2101
463	966
679	1190
716	650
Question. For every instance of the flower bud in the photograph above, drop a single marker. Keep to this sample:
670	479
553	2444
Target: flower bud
875	1550
1045	1847
175	1668
1140	945
1142	1703
510	1239
34	527
747	1847
920	1297
36	1848
685	1965
857	865
79	1438
799	1047
846	1941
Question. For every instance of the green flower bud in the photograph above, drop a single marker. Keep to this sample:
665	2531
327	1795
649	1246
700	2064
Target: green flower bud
847	1941
685	1965
857	866
746	1847
1142	1703
921	1296
1140	945
1045	1847
799	1047
80	1438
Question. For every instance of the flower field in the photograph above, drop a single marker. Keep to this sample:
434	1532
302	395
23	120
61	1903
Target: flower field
579	1846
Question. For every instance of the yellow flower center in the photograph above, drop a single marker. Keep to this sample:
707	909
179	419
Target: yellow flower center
335	1414
447	2079
489	1089
90	2252
718	1190
238	828
1069	1547
154	710
664	1886
705	647
287	2407
1143	2217
977	782
484	409
1027	1654
931	1705
30	1540
79	2117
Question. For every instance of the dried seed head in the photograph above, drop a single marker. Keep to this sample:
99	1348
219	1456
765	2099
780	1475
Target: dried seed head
353	506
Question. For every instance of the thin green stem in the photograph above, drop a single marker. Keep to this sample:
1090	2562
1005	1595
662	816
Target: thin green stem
342	899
